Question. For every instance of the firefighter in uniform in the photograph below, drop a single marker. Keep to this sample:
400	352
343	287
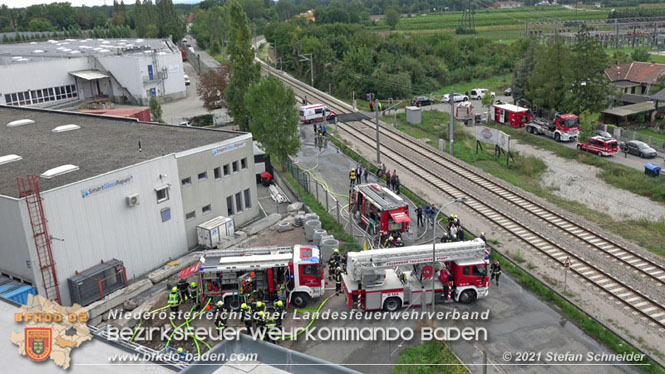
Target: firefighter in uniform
338	281
196	295
332	265
246	316
496	271
183	287
259	319
279	309
174	300
352	176
270	324
220	316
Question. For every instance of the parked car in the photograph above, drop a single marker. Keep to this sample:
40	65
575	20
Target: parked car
508	91
457	98
638	148
479	93
186	123
421	101
187	81
602	134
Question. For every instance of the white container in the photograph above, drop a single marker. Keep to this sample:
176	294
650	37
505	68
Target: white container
210	233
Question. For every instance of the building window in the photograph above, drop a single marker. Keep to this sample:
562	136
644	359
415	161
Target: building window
218	173
239	202
229	205
227	170
41	95
166	214
206	209
243	163
187	181
248	199
235	166
162	194
191	215
203	176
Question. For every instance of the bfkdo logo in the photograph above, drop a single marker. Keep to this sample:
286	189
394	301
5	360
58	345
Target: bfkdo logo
38	342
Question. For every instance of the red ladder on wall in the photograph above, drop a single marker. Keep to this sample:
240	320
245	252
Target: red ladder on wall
40	233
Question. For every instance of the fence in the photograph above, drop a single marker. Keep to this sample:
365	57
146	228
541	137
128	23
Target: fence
333	204
654	142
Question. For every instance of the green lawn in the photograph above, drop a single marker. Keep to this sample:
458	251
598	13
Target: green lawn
433	352
652	133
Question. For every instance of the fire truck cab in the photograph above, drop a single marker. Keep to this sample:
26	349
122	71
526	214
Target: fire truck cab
564	127
315	113
379	209
230	275
600	145
391	278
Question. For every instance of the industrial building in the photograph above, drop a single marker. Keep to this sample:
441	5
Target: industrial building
54	73
78	189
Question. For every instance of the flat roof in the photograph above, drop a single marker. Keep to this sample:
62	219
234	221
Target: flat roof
101	145
511	107
67	48
627	110
383	197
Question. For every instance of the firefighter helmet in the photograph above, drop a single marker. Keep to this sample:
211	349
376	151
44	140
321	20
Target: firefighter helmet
339	268
336	250
259	304
180	350
220	303
193	284
174	289
243	306
261	313
279	303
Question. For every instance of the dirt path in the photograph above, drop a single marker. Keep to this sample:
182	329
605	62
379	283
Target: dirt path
579	182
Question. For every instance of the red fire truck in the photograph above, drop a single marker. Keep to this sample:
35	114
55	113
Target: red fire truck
510	114
229	275
564	127
379	209
599	145
390	278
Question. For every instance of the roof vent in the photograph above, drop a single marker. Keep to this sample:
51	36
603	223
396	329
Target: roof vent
38	51
65	128
20	122
9	158
48	174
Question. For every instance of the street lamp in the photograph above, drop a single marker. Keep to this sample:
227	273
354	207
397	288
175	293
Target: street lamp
458	200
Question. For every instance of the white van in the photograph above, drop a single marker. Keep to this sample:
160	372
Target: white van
315	113
479	93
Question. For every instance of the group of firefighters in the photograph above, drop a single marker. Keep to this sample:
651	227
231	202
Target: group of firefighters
336	267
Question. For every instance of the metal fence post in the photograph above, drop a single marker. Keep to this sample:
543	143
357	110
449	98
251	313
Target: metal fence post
317	190
337	204
327	209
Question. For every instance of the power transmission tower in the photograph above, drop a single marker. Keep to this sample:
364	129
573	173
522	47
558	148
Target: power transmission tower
467	23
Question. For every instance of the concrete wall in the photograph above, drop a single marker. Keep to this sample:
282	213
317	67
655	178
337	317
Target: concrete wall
14	240
38	74
215	191
101	226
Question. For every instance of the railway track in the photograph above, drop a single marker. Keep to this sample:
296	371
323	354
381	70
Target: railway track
422	161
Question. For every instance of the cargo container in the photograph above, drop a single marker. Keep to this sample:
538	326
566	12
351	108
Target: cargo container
210	233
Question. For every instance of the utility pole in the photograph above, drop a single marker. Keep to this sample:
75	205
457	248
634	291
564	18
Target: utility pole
308	57
378	141
451	125
276	56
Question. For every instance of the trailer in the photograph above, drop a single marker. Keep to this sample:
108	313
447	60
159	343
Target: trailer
509	114
564	127
231	275
392	278
211	232
379	209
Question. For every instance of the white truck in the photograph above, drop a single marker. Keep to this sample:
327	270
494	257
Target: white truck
229	275
394	277
316	113
564	127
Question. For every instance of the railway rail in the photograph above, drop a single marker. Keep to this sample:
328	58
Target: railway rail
422	161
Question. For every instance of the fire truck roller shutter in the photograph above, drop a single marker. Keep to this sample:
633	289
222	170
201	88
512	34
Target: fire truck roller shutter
427	272
400	217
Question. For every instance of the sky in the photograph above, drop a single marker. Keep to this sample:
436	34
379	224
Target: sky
26	3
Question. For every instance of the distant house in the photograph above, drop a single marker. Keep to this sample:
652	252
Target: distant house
547	2
505	5
635	78
308	15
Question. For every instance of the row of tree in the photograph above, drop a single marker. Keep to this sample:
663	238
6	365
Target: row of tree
564	78
74	32
349	58
263	106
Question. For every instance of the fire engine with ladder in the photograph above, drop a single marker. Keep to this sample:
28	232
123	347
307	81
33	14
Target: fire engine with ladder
391	278
229	275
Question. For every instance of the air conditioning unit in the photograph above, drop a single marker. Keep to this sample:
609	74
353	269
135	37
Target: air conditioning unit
133	200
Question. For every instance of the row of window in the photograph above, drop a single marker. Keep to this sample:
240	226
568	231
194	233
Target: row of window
219	172
43	95
243	201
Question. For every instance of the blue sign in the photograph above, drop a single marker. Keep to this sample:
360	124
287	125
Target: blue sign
153	92
150	74
105	186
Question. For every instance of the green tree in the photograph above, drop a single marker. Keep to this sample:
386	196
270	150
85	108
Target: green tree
244	71
641	55
619	57
586	126
273	117
392	17
488	101
155	109
522	72
550	82
169	22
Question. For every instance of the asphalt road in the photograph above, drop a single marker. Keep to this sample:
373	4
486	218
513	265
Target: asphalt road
518	322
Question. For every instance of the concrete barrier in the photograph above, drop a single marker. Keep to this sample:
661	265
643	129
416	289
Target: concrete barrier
166	271
98	308
310	226
262	224
317	235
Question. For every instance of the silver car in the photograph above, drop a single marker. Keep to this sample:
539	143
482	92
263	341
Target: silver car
638	148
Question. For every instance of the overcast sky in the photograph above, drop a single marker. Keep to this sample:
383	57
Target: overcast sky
26	3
